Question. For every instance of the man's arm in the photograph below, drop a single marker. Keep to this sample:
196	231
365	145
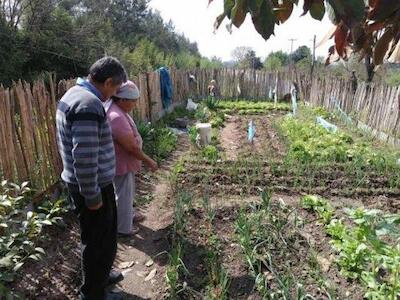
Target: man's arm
85	152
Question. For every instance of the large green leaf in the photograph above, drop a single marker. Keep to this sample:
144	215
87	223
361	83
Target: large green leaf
331	14
283	10
264	19
348	11
239	11
317	9
228	6
382	47
382	9
255	5
218	22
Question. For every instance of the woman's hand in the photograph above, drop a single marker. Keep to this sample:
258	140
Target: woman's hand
151	164
128	143
96	207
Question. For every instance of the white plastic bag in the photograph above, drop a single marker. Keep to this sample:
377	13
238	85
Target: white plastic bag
191	106
293	92
251	131
328	126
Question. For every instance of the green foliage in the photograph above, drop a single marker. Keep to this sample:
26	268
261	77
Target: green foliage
174	268
246	58
244	107
304	64
365	253
266	233
309	142
158	141
210	153
179	112
365	250
211	103
218	278
193	134
145	57
162	144
320	206
66	37
393	78
175	262
218	119
336	229
11	51
300	53
275	61
311	202
251	61
273	64
20	231
354	17
202	114
186	60
213	63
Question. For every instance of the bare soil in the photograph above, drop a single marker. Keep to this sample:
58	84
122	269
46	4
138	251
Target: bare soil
58	274
233	137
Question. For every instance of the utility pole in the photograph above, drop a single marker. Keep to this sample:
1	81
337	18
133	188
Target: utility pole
291	51
291	44
313	56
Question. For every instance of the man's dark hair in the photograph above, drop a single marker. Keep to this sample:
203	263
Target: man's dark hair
108	67
115	98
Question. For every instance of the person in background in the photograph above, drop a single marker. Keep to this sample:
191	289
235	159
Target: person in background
213	88
354	81
129	156
87	152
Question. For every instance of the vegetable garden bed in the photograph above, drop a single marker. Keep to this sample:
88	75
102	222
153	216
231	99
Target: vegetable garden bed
300	213
236	244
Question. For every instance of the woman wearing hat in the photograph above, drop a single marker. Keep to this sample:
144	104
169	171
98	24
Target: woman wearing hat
129	155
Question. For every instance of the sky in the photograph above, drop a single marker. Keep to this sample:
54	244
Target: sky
195	20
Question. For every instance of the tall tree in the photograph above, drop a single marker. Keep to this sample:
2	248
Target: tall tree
300	53
239	53
11	53
276	60
252	61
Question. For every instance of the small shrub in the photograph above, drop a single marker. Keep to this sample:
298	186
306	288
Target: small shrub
202	114
393	78
158	141
193	134
218	121
211	103
20	230
210	153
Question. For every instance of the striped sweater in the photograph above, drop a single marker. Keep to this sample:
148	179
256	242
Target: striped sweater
85	144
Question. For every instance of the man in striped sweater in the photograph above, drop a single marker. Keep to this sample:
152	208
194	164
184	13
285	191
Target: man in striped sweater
86	148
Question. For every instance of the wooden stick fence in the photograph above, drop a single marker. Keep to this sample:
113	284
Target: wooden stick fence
28	149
